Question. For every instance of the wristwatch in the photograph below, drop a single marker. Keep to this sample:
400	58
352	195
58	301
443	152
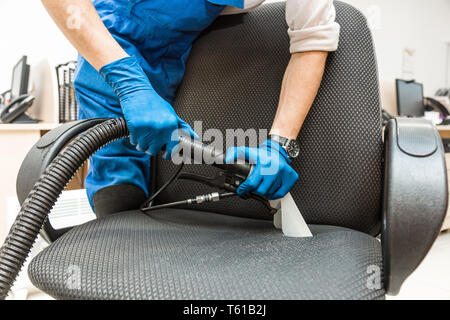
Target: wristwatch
291	146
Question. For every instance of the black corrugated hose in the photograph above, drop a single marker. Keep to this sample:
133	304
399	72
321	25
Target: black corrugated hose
37	205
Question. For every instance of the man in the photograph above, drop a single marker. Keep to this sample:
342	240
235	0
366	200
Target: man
132	59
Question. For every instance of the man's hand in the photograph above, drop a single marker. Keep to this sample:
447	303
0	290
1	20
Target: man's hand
151	120
272	176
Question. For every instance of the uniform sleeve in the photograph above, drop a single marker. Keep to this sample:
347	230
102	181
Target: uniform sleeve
312	25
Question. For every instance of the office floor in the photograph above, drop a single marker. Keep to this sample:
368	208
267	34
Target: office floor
430	281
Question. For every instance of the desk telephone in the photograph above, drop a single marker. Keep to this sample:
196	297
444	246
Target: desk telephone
15	110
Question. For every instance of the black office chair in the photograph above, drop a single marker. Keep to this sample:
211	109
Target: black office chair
352	188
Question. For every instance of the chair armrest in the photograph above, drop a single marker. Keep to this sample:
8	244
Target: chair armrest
415	197
41	155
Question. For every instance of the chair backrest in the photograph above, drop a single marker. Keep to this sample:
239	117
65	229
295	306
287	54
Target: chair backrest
233	80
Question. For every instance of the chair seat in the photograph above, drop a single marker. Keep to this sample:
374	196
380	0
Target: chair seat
182	254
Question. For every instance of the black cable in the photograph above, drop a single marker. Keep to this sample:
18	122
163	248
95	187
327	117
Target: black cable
147	205
149	201
211	197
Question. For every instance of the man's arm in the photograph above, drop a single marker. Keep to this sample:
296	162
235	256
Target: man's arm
82	26
272	175
299	88
313	33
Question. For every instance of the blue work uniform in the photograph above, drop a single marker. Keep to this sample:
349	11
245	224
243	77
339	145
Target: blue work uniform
159	33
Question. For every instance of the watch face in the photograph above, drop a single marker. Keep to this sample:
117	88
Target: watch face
293	149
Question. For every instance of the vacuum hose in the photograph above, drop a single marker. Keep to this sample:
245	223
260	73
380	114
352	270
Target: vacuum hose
38	204
45	192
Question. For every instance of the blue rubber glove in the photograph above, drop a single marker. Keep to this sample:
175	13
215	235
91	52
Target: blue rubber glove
151	120
272	176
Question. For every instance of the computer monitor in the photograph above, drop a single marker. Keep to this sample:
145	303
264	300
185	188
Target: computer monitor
410	99
20	77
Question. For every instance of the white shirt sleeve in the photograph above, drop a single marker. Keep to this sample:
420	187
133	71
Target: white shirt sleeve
248	5
312	25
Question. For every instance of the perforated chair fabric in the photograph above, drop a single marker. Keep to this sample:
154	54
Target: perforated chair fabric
180	254
233	81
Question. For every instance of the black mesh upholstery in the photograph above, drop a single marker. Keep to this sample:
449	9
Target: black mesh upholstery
179	254
233	80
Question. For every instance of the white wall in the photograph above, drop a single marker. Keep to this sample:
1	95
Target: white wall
422	25
27	29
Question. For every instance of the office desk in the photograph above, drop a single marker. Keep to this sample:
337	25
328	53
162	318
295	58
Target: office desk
444	131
